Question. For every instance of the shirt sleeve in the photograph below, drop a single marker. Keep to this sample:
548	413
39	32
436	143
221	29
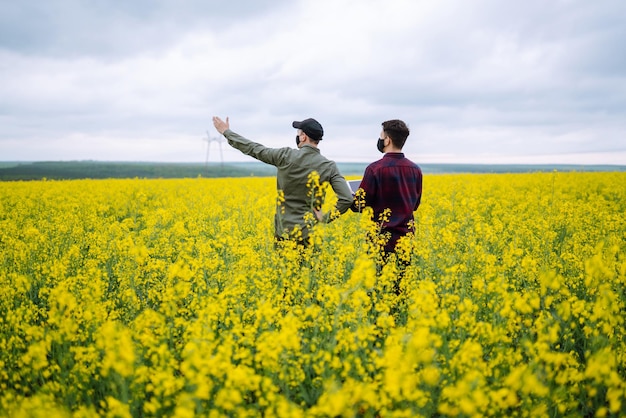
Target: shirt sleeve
419	191
272	156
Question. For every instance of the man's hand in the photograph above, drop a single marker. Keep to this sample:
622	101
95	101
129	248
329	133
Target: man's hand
220	125
319	215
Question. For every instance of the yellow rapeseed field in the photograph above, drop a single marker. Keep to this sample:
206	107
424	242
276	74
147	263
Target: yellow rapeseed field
140	297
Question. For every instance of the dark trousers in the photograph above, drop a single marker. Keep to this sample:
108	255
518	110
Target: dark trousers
282	242
391	256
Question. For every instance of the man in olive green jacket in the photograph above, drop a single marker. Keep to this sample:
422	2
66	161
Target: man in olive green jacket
294	167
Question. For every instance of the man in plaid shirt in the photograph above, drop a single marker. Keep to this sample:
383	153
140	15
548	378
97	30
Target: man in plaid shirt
394	182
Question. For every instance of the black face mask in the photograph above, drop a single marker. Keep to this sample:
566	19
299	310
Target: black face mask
380	145
297	140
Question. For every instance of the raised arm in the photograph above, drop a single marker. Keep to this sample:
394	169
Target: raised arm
273	156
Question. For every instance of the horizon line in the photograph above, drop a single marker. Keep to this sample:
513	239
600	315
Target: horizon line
336	161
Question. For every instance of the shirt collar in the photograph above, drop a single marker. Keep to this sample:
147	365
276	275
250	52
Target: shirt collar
394	155
310	147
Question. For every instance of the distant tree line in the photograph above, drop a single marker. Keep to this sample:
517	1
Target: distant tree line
67	170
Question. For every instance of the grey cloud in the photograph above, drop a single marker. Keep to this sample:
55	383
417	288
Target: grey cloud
487	78
110	28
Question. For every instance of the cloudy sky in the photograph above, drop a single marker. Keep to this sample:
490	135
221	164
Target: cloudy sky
477	81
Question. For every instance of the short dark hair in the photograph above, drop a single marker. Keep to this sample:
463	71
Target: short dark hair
397	131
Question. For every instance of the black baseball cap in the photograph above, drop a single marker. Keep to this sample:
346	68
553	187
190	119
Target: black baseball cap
311	127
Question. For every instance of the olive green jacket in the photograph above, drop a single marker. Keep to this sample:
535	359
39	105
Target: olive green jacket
293	169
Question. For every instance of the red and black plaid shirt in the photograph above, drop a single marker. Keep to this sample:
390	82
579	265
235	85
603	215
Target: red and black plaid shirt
394	182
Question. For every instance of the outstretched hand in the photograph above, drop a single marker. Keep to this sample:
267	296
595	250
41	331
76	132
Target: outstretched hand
220	125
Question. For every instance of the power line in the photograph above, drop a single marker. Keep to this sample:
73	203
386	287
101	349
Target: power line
209	140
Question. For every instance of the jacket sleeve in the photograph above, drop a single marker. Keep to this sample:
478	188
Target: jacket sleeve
343	192
273	156
344	196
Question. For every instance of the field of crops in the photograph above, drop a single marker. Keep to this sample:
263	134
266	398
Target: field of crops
168	298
